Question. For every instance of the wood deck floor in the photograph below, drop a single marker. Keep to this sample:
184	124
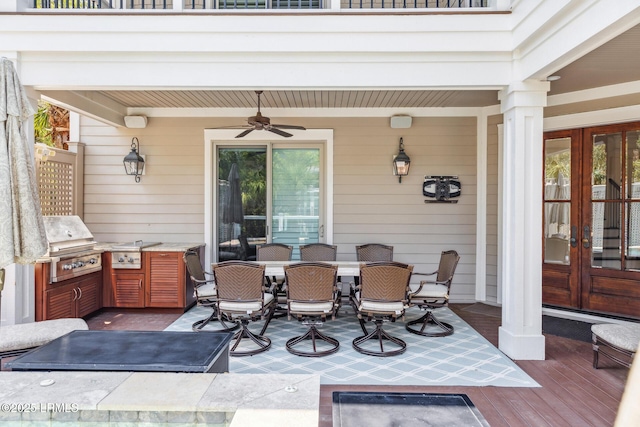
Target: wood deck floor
572	392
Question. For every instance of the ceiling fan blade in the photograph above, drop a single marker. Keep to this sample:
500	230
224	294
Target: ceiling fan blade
279	132
233	127
245	133
289	127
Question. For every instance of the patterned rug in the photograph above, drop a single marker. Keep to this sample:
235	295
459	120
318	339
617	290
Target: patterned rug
462	359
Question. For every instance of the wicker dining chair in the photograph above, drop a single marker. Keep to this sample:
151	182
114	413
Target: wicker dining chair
318	252
274	252
312	297
374	252
276	284
381	296
241	295
434	294
205	292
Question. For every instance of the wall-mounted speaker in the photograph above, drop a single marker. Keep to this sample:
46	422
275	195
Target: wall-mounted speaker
135	122
400	122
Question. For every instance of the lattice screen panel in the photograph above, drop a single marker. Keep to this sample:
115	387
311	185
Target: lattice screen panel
55	180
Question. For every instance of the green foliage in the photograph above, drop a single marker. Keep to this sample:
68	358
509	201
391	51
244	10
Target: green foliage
42	128
556	164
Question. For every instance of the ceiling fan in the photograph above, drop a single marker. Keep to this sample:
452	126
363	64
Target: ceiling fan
260	122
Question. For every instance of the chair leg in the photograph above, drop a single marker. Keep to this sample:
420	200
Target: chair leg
596	349
263	342
314	335
197	326
380	334
429	319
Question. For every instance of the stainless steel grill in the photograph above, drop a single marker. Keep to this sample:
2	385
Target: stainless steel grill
71	248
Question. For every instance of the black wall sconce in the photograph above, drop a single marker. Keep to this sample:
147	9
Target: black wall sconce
133	163
401	163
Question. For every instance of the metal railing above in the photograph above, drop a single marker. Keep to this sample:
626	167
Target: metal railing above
169	5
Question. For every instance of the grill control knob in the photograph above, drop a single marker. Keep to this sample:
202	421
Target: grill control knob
67	267
93	261
120	259
131	260
80	264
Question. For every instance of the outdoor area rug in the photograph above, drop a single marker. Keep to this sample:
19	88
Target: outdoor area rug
463	359
355	409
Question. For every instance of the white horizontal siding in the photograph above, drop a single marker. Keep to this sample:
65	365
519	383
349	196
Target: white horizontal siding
369	203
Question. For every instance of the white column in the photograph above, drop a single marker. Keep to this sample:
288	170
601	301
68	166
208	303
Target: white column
520	336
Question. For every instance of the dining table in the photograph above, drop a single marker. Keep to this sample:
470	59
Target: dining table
345	268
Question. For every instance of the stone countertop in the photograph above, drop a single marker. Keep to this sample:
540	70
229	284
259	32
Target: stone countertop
145	398
162	247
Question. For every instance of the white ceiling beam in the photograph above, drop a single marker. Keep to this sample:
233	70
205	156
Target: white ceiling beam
93	105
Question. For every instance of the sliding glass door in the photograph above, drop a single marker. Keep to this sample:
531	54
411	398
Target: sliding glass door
268	193
296	196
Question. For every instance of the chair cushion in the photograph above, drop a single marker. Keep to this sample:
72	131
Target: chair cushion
430	291
245	306
27	335
395	307
207	290
311	307
623	336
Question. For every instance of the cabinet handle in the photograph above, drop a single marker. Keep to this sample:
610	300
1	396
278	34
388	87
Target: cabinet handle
79	293
140	284
161	254
75	294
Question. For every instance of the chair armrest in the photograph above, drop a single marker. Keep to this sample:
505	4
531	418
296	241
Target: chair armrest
424	274
197	283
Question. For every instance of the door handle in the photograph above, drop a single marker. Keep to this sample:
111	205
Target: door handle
586	237
321	231
574	236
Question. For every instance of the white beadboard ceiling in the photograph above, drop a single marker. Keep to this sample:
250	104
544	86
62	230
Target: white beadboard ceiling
302	99
617	61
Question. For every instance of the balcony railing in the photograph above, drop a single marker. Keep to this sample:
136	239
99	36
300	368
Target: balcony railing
180	5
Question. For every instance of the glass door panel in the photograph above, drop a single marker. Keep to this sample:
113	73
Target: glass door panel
632	248
557	200
606	201
605	229
241	201
296	197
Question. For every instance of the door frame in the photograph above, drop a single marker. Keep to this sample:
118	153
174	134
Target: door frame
214	137
577	293
601	287
560	282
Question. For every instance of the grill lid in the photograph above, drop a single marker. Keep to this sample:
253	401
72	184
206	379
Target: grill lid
66	234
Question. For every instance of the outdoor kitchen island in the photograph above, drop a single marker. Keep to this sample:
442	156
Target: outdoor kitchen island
147	275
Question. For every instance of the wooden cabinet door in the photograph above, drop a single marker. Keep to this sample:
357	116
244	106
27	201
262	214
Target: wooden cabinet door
128	289
60	302
89	294
165	279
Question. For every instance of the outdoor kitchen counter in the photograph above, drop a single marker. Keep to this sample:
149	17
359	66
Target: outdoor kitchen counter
162	247
151	276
